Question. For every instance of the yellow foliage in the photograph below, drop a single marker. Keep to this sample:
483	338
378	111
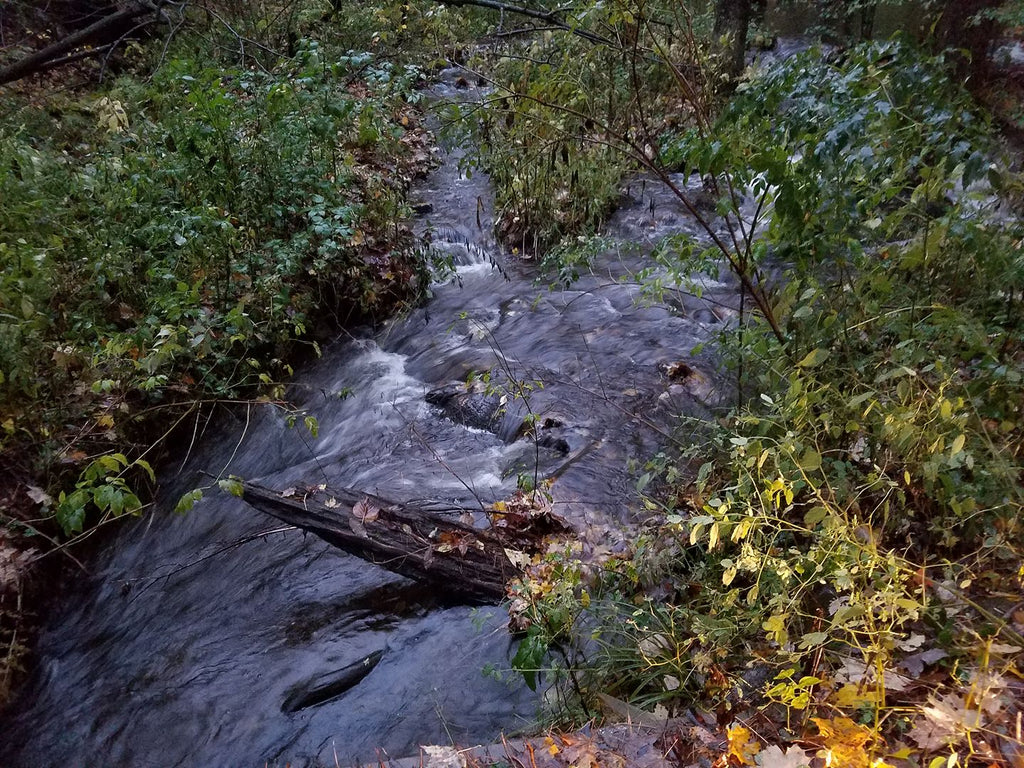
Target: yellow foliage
742	745
843	743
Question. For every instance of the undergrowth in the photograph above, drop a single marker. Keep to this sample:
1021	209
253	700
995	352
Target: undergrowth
838	564
183	240
563	107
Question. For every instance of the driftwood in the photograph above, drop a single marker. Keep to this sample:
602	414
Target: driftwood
461	561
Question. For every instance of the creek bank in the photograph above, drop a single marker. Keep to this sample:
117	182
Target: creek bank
236	633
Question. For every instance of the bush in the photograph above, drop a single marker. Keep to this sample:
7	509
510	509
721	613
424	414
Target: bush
870	472
185	239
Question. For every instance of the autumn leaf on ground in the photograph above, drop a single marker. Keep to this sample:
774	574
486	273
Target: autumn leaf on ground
843	743
946	720
443	757
365	510
774	757
853	696
742	746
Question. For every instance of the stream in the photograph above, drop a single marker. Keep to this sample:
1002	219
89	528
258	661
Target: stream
194	635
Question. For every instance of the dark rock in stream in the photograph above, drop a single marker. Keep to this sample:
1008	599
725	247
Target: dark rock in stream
467	406
330	686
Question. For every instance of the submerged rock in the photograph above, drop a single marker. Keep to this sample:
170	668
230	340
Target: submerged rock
326	687
467	406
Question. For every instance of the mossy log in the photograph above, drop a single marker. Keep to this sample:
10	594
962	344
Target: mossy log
462	562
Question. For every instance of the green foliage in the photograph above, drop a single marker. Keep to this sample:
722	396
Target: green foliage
892	412
103	486
877	444
571	115
185	238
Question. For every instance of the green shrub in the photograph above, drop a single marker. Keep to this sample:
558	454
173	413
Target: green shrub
185	238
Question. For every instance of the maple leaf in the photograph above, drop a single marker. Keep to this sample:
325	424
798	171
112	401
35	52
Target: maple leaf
742	746
843	742
946	720
774	757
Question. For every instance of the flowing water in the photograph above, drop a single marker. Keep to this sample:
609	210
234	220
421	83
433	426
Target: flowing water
190	633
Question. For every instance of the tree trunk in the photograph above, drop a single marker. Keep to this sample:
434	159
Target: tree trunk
461	561
732	19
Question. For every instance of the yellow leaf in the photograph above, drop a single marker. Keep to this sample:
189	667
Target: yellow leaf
946	409
105	420
854	695
958	445
551	746
742	746
843	742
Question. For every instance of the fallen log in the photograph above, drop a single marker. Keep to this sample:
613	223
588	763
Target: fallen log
463	562
99	34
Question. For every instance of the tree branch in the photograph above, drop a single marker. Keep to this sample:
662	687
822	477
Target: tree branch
551	17
58	52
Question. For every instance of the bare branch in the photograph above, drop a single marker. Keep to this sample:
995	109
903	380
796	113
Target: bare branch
551	17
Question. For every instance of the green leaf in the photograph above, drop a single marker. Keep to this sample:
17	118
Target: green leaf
529	658
814	516
810	461
814	358
146	466
70	511
188	500
232	485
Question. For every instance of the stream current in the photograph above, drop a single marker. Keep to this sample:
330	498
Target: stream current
191	631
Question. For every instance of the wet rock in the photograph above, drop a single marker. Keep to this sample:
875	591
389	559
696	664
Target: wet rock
326	687
467	406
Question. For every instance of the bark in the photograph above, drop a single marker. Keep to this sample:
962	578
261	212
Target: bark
732	20
60	52
462	562
957	30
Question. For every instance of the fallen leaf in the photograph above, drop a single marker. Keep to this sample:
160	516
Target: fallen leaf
945	720
517	558
858	695
443	757
915	663
742	745
774	757
843	742
858	671
39	496
365	510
